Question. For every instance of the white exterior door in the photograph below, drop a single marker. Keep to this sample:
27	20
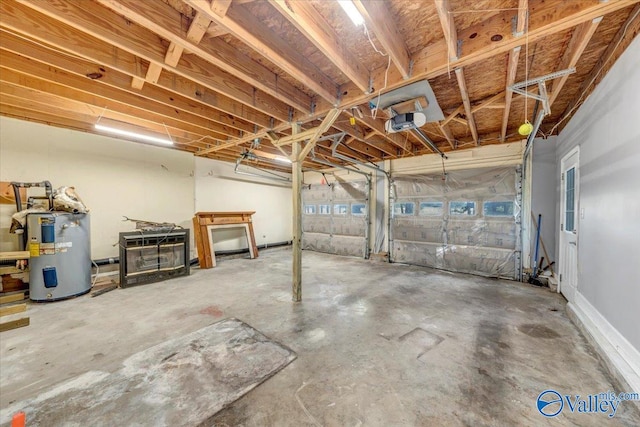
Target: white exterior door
570	179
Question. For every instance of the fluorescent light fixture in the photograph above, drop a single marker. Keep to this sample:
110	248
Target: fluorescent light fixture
134	135
281	159
351	10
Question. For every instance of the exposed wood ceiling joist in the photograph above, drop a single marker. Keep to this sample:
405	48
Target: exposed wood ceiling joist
578	43
512	69
314	27
377	18
20	71
550	18
260	38
192	81
512	64
163	21
228	72
462	83
629	29
114	79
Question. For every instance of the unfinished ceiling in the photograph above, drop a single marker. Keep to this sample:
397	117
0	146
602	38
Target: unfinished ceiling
228	76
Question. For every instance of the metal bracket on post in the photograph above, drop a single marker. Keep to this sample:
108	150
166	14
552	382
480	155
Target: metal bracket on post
312	108
338	97
458	49
290	114
370	86
521	88
514	27
411	62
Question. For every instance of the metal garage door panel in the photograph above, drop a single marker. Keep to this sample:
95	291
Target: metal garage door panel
348	245
317	242
429	230
418	253
318	224
468	222
336	218
348	226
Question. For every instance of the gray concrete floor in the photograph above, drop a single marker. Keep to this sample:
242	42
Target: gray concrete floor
378	344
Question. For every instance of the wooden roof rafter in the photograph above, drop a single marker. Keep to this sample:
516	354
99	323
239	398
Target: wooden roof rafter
30	74
621	40
467	103
378	19
432	61
165	22
98	46
578	43
316	29
451	40
260	38
196	76
512	64
16	50
547	22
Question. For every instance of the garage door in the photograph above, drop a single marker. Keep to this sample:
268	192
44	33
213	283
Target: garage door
467	222
336	218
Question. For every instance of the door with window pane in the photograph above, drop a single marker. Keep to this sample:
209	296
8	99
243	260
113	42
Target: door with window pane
569	179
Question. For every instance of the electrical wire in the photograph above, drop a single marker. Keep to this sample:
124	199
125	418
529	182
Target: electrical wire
526	65
374	112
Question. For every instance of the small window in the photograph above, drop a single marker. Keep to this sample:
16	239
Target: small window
430	208
340	209
570	200
358	209
462	208
498	208
324	209
403	208
310	209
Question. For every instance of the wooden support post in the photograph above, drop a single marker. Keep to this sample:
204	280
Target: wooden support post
297	215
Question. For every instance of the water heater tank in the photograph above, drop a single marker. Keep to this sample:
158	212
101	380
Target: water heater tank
60	250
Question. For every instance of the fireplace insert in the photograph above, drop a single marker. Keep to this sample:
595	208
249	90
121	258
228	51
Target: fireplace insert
153	256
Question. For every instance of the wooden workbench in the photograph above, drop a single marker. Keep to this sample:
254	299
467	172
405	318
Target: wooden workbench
205	222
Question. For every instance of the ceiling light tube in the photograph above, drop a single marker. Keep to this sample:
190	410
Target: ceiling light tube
352	11
134	135
281	159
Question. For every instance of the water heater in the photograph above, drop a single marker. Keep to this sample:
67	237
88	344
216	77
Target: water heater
60	251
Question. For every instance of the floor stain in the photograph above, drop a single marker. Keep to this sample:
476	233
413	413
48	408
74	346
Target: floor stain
212	310
537	330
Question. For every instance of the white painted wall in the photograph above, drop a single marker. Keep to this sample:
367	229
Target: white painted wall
112	176
606	129
218	188
543	194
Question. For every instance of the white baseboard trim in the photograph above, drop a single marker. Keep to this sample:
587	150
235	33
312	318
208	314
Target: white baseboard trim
620	353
